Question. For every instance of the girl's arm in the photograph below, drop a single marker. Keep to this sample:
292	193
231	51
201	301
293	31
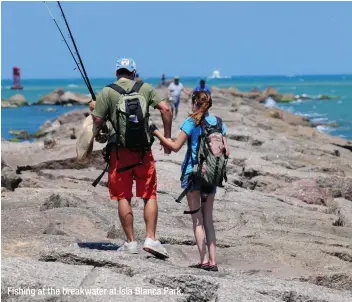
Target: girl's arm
226	146
176	145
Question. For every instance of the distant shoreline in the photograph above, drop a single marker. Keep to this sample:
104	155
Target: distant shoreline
188	76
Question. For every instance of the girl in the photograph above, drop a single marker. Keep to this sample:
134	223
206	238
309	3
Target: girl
203	226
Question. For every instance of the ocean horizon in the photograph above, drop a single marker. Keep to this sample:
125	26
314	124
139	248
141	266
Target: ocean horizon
338	110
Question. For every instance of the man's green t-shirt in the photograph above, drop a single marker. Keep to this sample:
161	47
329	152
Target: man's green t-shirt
105	106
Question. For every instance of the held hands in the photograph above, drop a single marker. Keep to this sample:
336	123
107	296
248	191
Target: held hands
153	128
155	131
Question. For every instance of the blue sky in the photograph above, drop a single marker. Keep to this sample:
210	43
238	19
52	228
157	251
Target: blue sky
184	38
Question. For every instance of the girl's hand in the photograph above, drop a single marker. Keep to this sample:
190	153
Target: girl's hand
153	129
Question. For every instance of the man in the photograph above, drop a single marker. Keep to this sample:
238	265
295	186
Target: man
174	94
120	183
202	87
162	82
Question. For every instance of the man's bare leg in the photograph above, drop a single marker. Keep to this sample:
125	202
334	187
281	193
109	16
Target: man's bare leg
150	217
126	218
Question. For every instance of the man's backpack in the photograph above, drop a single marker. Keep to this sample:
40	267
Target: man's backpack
210	171
132	114
132	129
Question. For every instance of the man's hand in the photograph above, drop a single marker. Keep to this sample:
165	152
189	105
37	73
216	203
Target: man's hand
102	137
103	134
167	151
92	105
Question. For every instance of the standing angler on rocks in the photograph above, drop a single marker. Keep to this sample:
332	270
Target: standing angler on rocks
125	104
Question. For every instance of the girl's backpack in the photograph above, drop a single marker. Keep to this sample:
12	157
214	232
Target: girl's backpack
210	170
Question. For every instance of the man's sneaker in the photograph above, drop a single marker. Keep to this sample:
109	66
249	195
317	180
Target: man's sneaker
155	248
129	247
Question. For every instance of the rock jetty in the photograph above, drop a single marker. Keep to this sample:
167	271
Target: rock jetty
283	220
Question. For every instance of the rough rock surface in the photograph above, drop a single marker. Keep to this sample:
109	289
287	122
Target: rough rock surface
272	246
306	190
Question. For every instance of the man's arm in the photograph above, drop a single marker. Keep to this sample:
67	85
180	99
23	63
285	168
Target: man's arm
156	102
101	109
189	92
166	116
169	91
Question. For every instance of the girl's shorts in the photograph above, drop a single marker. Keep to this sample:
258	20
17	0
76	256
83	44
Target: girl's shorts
195	186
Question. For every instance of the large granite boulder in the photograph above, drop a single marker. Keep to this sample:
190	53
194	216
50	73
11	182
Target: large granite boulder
306	190
15	101
74	98
18	100
52	98
61	97
270	91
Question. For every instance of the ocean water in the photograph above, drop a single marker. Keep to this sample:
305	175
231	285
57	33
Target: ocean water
328	111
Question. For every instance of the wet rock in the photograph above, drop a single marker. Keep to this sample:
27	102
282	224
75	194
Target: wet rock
284	98
326	97
20	134
333	125
306	190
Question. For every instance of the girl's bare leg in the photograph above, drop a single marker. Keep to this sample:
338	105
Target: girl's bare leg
198	228
207	210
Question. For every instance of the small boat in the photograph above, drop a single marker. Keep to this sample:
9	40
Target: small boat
216	75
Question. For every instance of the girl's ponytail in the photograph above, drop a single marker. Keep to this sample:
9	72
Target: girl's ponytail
203	102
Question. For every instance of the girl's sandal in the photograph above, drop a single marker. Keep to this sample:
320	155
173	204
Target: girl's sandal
199	265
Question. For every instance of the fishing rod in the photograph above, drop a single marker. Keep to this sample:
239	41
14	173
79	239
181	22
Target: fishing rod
68	46
79	57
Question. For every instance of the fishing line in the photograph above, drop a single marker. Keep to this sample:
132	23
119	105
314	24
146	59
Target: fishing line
68	46
77	52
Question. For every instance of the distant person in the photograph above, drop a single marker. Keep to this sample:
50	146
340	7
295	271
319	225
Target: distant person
174	94
125	103
137	77
202	87
191	131
162	82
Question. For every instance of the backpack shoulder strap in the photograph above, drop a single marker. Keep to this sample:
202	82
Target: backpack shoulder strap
204	124
188	157
219	123
117	88
137	86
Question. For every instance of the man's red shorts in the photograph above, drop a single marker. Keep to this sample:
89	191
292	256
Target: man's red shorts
120	184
